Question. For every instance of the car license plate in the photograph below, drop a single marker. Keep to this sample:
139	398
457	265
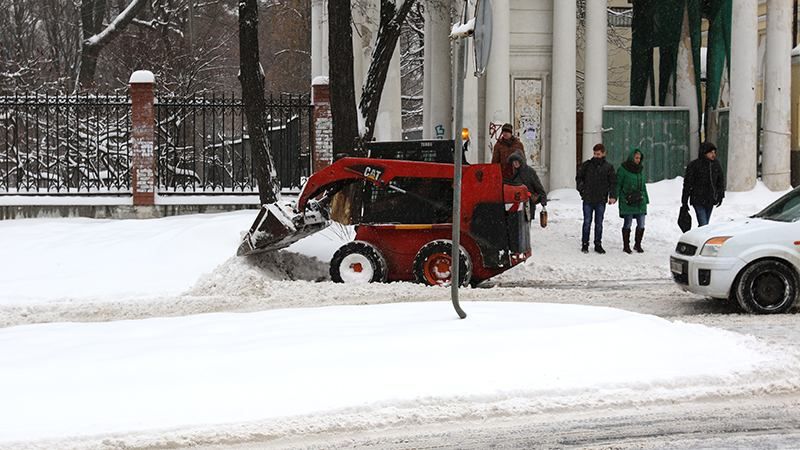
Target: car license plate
676	266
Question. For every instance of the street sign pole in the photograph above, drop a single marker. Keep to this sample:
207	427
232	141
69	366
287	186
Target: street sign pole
455	252
483	42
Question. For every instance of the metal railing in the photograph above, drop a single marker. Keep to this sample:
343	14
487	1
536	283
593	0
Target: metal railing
64	144
202	144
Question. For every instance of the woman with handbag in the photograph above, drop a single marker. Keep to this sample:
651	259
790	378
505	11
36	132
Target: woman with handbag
633	199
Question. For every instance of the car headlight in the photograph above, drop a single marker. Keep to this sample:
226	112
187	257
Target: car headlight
713	245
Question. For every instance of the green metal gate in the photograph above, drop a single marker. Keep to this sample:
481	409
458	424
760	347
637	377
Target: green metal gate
662	133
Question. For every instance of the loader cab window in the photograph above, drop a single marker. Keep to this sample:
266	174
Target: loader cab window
408	201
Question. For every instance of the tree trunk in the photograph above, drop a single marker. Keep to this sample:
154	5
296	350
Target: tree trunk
252	80
95	37
341	79
392	19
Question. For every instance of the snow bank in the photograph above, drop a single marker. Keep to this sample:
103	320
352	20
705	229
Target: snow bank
250	275
356	367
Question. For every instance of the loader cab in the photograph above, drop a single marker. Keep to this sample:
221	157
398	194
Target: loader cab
407	200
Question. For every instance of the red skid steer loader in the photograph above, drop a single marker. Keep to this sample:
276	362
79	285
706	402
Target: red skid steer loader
402	212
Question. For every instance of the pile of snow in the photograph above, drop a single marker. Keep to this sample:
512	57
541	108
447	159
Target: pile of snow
346	368
250	275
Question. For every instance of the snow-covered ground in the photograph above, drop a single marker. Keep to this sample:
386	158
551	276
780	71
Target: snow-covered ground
184	377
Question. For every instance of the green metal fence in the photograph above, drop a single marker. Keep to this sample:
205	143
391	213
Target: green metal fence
662	133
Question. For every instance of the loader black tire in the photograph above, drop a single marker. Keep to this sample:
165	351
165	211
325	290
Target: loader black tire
439	252
358	257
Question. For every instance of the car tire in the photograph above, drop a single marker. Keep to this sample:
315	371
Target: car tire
433	257
358	262
767	287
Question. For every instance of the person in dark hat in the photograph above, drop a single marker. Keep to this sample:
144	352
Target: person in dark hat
704	183
526	175
505	147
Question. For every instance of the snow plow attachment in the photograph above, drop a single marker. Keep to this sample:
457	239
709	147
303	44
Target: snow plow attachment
279	226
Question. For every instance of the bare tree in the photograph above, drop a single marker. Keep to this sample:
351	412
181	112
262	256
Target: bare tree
251	76
412	52
96	36
341	77
391	21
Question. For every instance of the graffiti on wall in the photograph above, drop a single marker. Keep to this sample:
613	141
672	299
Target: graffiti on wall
439	131
528	100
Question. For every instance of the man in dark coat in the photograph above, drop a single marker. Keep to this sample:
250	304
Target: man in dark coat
504	147
526	175
597	183
704	183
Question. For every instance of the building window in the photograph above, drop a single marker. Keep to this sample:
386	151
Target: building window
620	16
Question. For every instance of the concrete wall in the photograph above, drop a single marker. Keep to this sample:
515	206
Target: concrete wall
531	55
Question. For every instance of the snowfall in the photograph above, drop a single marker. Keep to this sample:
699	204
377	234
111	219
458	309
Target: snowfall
126	333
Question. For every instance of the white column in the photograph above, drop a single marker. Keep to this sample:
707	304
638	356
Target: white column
319	38
742	135
438	72
595	85
389	124
471	107
427	70
498	90
562	121
776	159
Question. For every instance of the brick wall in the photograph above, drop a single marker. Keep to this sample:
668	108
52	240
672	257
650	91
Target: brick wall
143	164
323	125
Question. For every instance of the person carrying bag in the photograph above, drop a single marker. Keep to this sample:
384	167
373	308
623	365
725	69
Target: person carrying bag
632	190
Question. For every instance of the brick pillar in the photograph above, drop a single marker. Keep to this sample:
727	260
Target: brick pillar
323	124
143	163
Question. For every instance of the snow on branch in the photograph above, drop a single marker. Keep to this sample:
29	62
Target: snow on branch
117	25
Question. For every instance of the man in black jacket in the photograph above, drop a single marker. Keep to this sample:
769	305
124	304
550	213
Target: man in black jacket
704	183
597	183
526	175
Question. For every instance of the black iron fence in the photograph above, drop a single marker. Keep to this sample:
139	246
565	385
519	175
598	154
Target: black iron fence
58	144
202	143
64	144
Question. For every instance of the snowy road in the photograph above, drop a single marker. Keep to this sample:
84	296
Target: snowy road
734	423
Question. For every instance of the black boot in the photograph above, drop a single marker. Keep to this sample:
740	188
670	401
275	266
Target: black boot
626	241
598	247
638	243
585	247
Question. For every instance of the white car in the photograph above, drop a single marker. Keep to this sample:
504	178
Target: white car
755	261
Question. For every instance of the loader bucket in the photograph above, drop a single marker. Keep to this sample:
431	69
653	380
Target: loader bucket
278	227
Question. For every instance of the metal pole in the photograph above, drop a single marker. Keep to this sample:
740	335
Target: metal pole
455	254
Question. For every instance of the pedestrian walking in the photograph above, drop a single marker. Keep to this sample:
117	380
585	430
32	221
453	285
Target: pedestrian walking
597	183
504	147
633	199
704	183
526	175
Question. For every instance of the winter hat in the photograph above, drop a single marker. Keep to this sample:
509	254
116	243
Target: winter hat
516	157
707	147
507	127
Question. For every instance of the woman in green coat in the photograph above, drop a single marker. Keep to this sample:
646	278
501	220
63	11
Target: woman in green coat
633	199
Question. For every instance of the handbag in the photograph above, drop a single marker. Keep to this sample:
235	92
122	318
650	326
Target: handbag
634	198
684	219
